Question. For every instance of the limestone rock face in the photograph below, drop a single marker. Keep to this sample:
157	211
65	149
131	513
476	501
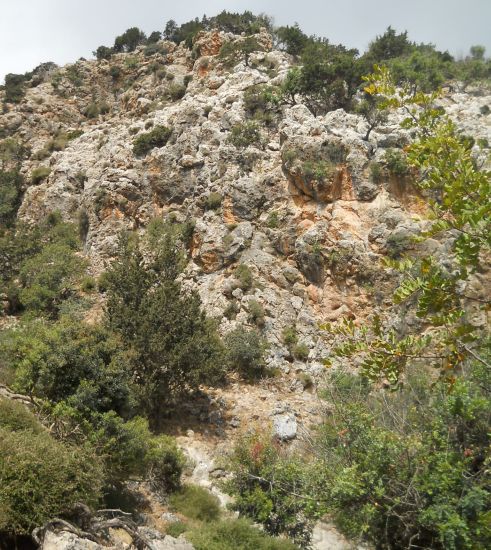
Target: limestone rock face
299	205
119	540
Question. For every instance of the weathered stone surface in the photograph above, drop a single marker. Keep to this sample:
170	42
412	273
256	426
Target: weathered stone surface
285	426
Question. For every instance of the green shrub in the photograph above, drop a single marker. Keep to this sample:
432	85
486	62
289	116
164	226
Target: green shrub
418	468
485	110
115	72
16	417
14	88
261	103
70	361
233	52
172	341
48	277
196	503
88	284
74	76
213	201
39	174
396	162
96	108
176	91
238	534
290	337
157	137
103	52
40	269
152	49
10	196
376	172
273	220
301	352
266	482
41	478
244	275
176	528
256	313
245	134
129	40
165	463
231	310
318	169
245	352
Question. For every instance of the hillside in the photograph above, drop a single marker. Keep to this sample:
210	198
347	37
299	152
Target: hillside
292	214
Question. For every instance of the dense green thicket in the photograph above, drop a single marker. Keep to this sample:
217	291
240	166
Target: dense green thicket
40	268
40	477
174	346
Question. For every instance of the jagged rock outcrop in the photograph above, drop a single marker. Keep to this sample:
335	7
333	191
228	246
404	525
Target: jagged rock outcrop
299	206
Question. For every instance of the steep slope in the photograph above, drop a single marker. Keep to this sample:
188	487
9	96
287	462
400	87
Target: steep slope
299	201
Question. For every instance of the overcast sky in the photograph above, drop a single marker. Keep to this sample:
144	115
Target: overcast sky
35	31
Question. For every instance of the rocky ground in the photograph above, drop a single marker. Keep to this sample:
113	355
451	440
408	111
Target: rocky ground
313	243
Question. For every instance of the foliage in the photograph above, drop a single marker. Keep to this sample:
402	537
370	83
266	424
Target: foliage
328	78
129	40
96	108
41	478
369	108
145	142
233	52
103	52
245	352
174	346
39	268
376	172
236	23
244	134
410	467
176	91
291	39
196	502
129	450
39	174
396	162
234	533
261	102
10	196
269	487
15	417
256	313
70	361
244	275
301	352
213	201
14	88
458	189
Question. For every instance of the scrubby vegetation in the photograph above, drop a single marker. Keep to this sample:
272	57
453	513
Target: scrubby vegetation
407	468
401	458
157	137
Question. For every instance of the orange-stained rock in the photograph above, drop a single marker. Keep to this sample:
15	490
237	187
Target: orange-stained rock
228	212
314	293
208	43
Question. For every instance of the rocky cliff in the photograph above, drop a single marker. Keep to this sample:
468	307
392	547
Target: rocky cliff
297	200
